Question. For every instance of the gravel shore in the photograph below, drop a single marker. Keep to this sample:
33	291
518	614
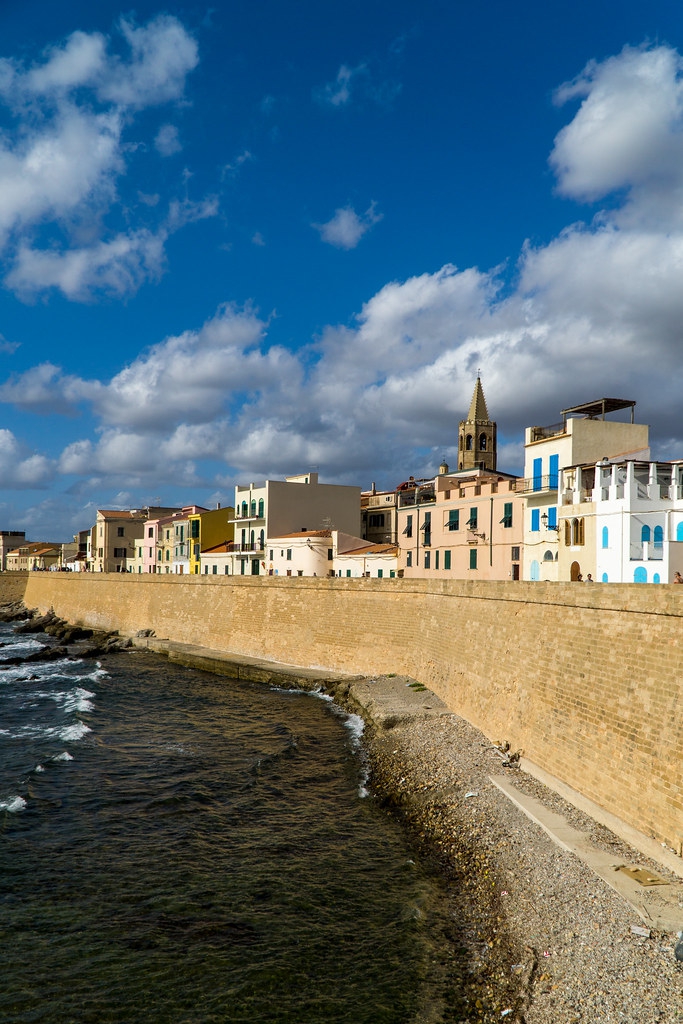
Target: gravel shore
525	931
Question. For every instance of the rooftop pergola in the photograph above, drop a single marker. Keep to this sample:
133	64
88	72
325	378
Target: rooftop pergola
599	408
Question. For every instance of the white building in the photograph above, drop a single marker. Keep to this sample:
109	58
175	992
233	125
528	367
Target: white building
583	436
298	504
622	521
330	553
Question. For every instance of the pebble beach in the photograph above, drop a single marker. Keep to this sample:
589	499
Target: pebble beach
530	933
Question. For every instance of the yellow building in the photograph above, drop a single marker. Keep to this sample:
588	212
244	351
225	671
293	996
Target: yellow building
207	530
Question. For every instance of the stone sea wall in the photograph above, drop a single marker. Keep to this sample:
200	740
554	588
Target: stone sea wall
586	680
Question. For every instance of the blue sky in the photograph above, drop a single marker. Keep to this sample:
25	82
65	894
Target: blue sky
248	239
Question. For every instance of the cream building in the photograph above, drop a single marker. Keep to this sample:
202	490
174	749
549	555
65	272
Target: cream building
378	516
297	504
583	436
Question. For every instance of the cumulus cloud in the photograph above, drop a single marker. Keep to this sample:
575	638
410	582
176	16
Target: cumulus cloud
19	469
346	228
61	165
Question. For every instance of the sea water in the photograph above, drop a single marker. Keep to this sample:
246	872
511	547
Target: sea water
179	847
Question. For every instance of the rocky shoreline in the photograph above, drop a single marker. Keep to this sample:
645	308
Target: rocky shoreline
523	931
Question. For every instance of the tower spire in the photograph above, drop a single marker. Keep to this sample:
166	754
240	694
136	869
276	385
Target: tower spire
477	435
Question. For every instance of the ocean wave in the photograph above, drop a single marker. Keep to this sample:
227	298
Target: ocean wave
64	756
73	732
13	804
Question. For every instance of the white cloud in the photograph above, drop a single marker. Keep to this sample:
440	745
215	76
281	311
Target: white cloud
61	164
346	228
18	468
167	141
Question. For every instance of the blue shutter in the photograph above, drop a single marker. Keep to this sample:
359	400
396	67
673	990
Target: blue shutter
535	519
554	470
552	517
538	474
644	536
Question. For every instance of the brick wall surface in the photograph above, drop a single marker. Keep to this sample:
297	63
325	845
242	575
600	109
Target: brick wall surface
584	679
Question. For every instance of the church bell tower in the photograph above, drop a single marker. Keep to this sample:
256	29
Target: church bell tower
477	435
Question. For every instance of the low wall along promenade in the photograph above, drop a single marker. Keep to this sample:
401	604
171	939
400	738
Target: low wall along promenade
586	680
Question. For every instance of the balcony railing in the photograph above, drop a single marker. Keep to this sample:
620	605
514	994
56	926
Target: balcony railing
541	433
538	484
249	546
421	497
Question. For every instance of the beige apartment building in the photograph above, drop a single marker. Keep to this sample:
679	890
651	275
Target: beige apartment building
118	535
463	525
378	516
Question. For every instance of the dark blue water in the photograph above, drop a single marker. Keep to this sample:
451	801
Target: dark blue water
178	847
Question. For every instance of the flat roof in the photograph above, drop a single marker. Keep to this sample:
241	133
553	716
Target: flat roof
600	407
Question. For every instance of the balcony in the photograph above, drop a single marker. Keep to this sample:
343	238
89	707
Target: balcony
540	484
423	496
542	433
236	549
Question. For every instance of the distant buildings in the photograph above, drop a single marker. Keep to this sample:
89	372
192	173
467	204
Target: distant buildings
590	503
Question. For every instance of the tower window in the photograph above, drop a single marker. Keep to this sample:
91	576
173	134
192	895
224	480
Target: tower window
468	442
482	442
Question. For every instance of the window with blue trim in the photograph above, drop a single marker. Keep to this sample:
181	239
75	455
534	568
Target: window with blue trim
605	537
538	474
553	470
552	517
659	536
645	535
535	519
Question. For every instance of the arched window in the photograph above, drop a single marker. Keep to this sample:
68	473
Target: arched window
245	509
534	570
577	532
679	531
262	539
659	536
640	575
645	534
548	557
460	442
468	442
260	508
605	578
482	442
253	506
655	578
605	537
251	539
567	532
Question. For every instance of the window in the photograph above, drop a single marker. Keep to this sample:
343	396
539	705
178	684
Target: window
243	563
514	553
140	552
605	537
271	555
119	531
408	532
348	572
473	558
289	554
168	554
409	559
427	559
535	519
119	552
150	531
577	532
226	569
195	551
253	507
507	515
468	442
515	571
538	474
446	559
377	520
436	559
245	509
548	556
640	575
659	536
194	529
482	442
206	570
299	572
329	554
260	508
552	517
472	521
182	533
380	574
168	535
150	552
553	470
215	570
454	519
427	528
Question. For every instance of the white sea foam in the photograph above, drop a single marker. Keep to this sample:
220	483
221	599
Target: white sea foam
64	756
73	732
78	700
13	804
355	725
39	768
